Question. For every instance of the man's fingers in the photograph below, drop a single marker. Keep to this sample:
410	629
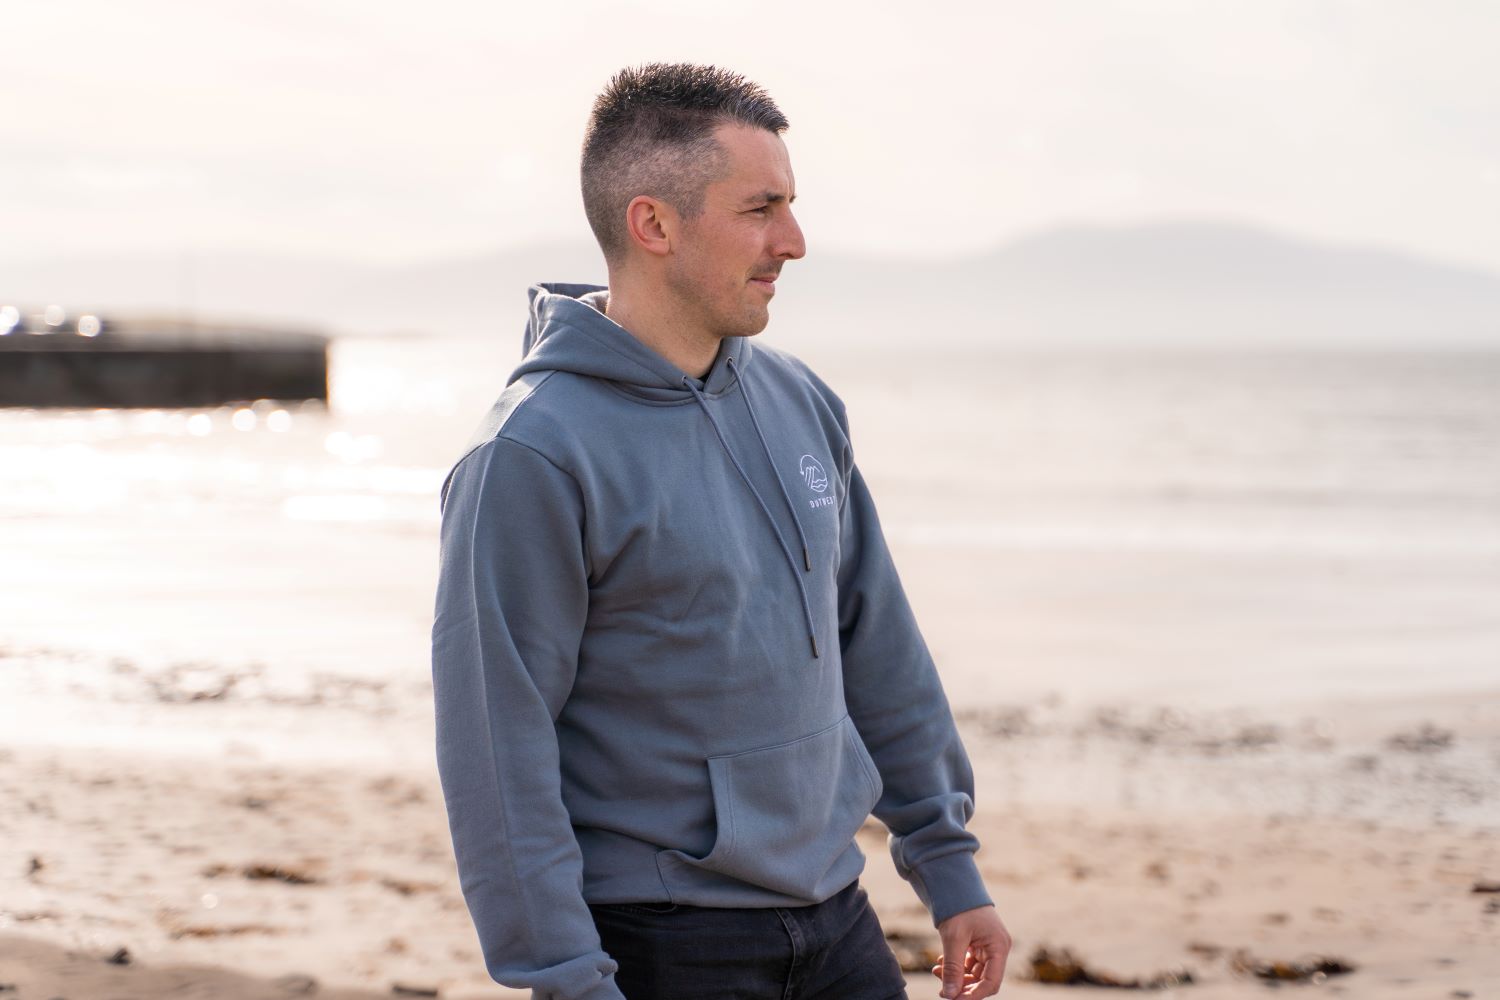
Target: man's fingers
994	972
982	978
953	979
969	977
989	984
955	956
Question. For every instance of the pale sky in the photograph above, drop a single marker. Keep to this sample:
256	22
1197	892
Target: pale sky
411	131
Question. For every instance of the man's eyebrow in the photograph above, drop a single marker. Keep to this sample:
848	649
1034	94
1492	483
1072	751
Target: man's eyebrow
769	196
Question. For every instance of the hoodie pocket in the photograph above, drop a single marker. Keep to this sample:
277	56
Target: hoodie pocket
786	815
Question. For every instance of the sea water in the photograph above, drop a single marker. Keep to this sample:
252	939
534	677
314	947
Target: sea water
1196	527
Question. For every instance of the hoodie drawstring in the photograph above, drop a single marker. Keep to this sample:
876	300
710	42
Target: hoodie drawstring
745	391
812	631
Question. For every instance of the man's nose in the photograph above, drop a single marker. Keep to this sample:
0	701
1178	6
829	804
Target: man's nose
789	241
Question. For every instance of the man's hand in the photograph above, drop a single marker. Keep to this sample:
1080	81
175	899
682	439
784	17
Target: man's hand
975	946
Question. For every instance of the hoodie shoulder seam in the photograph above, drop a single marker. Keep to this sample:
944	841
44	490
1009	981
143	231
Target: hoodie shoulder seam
501	433
492	427
505	407
497	439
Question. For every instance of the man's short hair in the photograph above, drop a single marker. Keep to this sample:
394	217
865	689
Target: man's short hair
651	133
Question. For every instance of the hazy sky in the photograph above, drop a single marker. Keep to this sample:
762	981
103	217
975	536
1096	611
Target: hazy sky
407	131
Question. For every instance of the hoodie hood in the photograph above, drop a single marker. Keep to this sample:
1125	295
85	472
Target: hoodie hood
568	331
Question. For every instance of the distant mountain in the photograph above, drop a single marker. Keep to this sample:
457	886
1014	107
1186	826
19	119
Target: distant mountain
1201	284
1187	284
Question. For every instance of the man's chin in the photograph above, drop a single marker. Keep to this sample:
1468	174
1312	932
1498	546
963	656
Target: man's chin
758	320
747	327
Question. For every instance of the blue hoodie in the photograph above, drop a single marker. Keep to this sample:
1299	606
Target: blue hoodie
672	659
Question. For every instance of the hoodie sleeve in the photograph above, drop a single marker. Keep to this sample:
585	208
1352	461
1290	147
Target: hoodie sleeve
897	703
512	597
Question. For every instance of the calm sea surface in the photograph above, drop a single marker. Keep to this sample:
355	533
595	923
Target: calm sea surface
1230	527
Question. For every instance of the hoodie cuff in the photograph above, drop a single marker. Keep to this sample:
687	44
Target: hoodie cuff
950	884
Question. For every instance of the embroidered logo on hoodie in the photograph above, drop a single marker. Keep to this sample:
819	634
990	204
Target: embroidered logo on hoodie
816	480
813	474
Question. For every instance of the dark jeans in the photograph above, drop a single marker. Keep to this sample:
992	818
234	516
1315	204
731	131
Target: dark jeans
833	950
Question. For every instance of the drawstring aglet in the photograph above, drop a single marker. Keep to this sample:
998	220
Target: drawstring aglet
806	559
814	639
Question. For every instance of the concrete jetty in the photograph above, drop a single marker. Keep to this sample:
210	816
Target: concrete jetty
51	359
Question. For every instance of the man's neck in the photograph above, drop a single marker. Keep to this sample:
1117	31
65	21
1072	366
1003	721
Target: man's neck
654	322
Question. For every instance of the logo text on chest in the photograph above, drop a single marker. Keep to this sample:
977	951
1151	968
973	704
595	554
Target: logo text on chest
821	502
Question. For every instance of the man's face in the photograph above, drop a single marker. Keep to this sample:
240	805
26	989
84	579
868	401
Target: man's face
745	233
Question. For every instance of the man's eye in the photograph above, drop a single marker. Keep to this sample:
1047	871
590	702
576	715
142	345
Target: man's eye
763	208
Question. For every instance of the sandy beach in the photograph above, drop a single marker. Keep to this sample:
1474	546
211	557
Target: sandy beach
1208	843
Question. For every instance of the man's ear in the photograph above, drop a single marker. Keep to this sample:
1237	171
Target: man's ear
652	224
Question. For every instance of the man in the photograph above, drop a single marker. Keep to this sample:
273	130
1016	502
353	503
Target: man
674	668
